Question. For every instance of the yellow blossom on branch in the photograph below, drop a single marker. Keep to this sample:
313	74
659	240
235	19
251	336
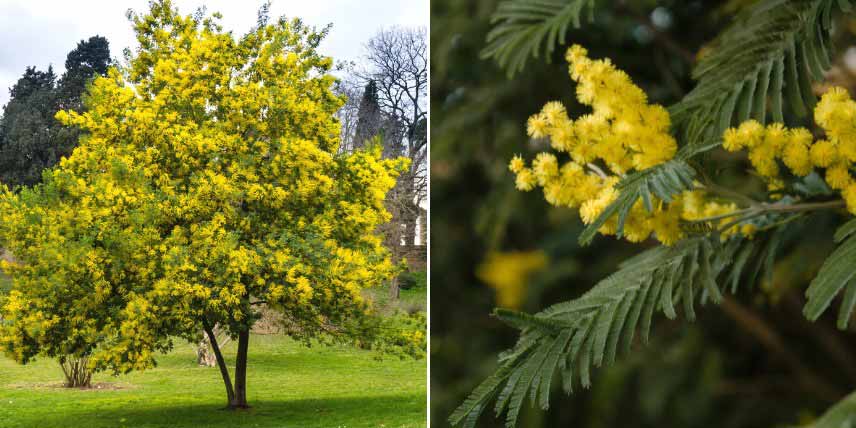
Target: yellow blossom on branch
623	134
797	150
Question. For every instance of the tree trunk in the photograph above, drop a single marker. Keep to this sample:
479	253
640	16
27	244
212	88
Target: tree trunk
224	371
240	400
394	289
423	227
204	356
409	216
76	370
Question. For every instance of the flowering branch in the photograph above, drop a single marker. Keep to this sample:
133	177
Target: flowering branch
765	208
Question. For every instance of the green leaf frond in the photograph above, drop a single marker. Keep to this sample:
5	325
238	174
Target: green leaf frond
663	181
769	56
527	28
575	337
841	415
836	274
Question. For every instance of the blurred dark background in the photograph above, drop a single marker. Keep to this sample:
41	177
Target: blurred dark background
752	362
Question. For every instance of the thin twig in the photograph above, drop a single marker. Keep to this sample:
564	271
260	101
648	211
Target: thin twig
596	169
765	208
737	221
728	193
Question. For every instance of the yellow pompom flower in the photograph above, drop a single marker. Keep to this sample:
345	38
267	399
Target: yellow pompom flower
732	141
667	224
517	164
526	180
554	112
838	177
849	194
796	157
823	153
751	133
545	167
776	136
537	127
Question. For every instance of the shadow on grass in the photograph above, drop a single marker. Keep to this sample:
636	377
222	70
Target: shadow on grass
406	410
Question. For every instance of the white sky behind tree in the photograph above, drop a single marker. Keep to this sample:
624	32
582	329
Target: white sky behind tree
42	32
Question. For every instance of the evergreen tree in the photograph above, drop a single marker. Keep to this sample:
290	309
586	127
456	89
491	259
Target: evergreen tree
90	57
30	138
26	128
32	81
370	118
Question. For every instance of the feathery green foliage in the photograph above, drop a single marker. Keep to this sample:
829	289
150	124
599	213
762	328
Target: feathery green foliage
773	51
525	28
663	181
841	415
767	58
835	275
574	337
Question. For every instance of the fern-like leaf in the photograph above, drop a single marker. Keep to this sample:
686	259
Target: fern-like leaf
526	28
663	181
772	52
841	415
575	337
836	274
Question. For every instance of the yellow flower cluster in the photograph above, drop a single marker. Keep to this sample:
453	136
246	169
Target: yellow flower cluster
623	130
797	150
770	144
622	134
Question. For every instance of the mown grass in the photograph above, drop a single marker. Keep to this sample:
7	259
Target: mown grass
289	385
410	300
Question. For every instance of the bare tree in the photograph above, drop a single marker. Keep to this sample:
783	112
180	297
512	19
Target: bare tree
397	65
397	60
388	99
351	87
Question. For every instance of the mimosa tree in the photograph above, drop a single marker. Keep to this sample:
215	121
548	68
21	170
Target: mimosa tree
207	185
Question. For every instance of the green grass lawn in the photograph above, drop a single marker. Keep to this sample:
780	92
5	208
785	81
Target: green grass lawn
288	386
413	299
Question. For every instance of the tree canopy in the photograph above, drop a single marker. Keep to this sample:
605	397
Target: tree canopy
208	185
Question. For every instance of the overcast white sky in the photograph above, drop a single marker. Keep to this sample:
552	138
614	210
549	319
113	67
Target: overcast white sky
42	32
